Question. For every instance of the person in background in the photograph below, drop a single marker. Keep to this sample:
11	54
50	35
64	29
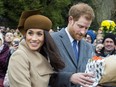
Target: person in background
99	31
109	43
13	48
1	39
37	57
74	50
8	37
4	57
90	36
99	39
15	44
98	48
17	34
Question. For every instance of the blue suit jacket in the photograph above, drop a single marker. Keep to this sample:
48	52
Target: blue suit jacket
71	65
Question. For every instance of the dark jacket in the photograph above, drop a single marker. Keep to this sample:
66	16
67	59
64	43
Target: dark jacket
102	54
4	57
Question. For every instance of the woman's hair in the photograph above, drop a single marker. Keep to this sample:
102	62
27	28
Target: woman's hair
50	50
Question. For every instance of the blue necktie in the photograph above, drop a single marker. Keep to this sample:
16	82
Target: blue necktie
75	49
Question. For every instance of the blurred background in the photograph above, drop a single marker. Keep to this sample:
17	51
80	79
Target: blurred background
56	10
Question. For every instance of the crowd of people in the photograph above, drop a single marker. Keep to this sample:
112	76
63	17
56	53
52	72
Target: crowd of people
35	56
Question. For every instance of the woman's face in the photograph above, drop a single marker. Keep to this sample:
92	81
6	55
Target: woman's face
35	38
88	38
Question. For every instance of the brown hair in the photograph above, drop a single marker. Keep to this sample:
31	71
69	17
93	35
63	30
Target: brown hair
81	9
50	50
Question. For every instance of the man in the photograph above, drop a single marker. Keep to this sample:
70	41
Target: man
109	43
9	38
79	20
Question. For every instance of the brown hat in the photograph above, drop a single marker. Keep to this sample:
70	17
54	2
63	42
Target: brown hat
33	19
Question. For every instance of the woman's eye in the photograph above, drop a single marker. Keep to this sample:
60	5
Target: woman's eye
39	34
30	33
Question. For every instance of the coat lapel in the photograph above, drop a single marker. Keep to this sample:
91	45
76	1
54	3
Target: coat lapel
66	42
38	61
83	58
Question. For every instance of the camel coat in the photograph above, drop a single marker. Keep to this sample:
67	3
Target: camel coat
28	68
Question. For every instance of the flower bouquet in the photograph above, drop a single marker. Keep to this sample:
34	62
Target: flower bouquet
104	70
108	26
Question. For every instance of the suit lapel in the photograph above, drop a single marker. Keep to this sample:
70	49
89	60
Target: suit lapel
82	50
66	42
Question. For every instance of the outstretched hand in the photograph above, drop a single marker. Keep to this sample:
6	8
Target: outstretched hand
82	78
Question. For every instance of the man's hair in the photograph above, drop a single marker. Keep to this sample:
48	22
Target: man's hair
81	9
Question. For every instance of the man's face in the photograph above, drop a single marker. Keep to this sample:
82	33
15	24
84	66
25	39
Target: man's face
78	29
109	45
9	37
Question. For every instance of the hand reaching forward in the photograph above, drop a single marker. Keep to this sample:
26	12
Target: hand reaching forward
84	79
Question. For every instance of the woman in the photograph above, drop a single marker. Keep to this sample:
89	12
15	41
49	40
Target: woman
4	57
37	57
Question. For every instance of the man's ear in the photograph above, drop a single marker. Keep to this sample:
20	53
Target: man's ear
70	19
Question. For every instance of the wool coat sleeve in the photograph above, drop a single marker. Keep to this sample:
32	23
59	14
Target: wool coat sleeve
18	70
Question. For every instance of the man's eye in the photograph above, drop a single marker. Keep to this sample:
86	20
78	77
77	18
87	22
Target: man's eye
80	26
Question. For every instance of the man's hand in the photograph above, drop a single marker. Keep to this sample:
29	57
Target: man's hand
84	79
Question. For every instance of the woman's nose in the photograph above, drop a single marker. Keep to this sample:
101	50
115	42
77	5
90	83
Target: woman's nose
34	37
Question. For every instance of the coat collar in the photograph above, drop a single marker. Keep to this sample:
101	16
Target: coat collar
38	61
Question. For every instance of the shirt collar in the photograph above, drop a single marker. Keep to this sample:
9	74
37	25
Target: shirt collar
70	37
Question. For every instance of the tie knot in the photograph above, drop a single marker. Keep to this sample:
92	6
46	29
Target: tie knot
75	42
